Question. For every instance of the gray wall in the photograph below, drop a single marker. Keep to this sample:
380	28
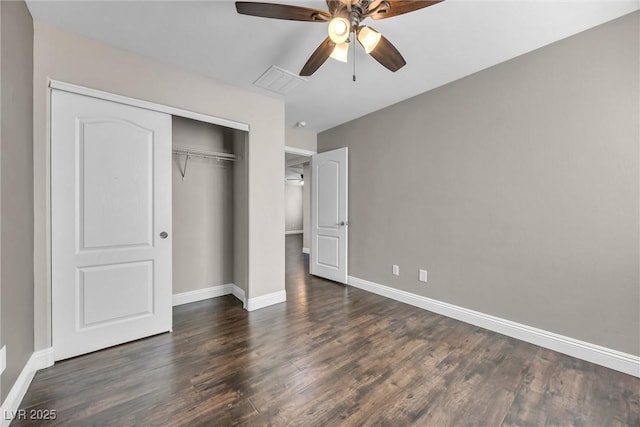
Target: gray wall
202	209
16	189
292	206
1	340
516	188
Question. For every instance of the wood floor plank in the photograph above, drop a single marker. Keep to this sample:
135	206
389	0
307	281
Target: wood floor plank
331	355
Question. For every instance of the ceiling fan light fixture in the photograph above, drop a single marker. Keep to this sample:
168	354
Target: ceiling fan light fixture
343	18
339	29
368	38
340	52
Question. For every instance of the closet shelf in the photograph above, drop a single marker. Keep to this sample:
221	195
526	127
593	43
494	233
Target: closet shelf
189	153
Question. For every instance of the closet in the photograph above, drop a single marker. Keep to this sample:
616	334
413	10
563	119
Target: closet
148	210
207	162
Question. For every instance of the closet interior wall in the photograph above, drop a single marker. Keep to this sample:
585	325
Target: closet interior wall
204	232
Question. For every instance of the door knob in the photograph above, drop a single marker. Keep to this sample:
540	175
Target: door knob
164	235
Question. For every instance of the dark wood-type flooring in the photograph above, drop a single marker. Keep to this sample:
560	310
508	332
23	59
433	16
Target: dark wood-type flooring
331	355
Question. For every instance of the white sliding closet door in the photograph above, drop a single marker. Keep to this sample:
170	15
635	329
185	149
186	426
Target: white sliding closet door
111	223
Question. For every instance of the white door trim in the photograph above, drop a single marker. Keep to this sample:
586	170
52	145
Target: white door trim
94	93
299	151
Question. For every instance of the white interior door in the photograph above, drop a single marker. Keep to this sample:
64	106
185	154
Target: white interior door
110	223
329	219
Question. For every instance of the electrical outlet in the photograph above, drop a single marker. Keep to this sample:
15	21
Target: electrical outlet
396	270
3	358
422	275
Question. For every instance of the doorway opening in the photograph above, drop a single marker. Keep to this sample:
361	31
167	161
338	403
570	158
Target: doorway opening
297	194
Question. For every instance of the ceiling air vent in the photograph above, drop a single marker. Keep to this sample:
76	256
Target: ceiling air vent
278	80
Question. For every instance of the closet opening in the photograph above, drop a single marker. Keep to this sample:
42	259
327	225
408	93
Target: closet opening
209	210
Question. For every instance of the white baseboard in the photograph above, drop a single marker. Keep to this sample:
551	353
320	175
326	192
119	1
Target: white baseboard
206	293
306	250
266	300
613	359
293	232
239	293
43	358
202	294
39	360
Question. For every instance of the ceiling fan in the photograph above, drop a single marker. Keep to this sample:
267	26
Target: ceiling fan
344	17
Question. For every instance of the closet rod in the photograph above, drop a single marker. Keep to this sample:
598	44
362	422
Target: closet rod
188	153
204	154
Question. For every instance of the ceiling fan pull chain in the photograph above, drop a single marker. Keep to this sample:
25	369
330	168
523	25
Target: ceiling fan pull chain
354	60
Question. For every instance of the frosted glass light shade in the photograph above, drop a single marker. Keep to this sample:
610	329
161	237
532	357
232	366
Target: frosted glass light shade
339	30
368	38
340	52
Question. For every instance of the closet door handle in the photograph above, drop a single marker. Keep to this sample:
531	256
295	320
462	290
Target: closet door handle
164	235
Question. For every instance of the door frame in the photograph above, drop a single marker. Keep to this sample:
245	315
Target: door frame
107	96
134	102
299	151
303	152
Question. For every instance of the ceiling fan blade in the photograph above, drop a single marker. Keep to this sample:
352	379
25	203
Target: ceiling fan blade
387	54
318	57
399	7
281	11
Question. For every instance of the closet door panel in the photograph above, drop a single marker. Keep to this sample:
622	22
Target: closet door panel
111	223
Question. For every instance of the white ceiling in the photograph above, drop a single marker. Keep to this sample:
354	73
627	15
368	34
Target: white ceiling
441	43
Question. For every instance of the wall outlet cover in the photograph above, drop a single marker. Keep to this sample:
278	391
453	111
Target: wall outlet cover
422	275
396	270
